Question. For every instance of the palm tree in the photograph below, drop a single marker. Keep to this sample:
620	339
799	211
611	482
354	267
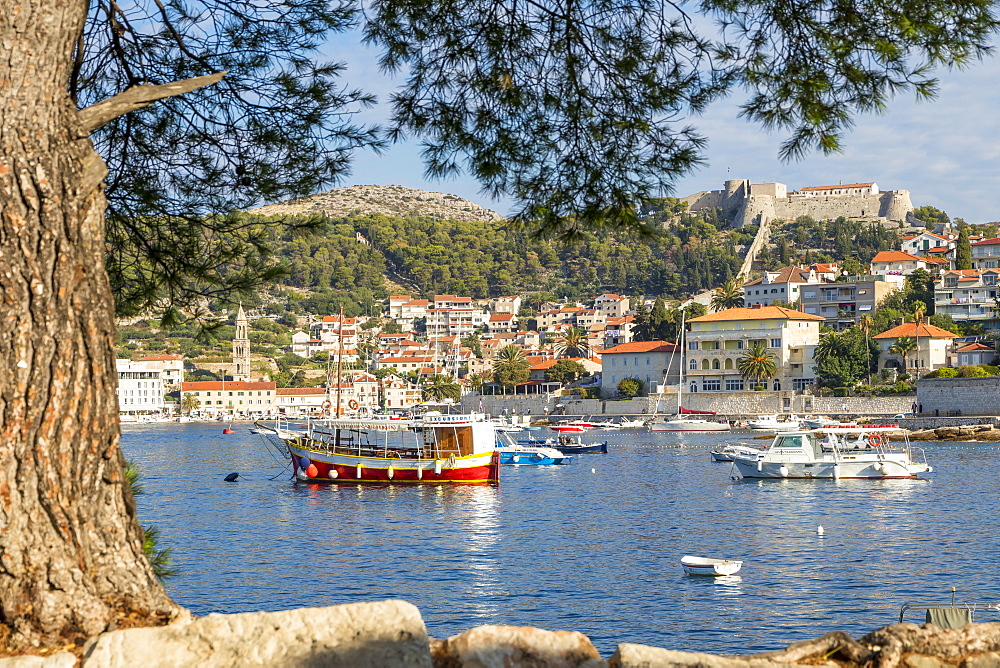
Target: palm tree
437	388
728	295
510	367
757	364
866	323
903	346
829	346
573	343
189	403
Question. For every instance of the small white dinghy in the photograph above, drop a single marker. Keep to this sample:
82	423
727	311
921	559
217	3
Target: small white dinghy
709	566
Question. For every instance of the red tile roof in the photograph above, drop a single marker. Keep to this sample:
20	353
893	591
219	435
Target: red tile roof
910	329
761	313
291	391
642	347
160	358
207	385
987	242
846	185
896	256
974	346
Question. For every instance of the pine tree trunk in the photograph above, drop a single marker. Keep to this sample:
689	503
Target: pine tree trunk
71	550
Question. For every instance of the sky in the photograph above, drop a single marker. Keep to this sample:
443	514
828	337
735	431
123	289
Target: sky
946	151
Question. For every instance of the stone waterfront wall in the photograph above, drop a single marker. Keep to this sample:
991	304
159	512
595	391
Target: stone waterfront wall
723	403
959	396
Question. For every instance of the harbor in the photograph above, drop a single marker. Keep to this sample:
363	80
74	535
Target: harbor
544	548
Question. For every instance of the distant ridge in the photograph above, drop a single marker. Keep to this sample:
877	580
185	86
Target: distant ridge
388	200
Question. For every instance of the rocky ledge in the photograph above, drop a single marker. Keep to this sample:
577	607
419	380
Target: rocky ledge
972	432
392	633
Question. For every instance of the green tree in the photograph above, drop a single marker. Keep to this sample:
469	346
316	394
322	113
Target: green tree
641	326
630	387
474	343
728	295
511	367
757	363
963	250
189	402
931	215
658	319
573	342
438	388
565	372
844	358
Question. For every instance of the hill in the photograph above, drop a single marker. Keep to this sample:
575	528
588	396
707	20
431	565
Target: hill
387	200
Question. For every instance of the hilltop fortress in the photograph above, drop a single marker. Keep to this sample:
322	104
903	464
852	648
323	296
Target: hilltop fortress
759	203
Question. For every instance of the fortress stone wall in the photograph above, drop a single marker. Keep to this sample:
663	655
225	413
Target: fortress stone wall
760	203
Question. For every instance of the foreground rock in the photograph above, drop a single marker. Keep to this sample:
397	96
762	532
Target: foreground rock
391	633
503	646
972	432
388	633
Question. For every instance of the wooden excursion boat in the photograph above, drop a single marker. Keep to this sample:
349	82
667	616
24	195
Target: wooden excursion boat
710	566
432	450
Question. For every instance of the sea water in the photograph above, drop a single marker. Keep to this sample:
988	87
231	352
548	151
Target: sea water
593	546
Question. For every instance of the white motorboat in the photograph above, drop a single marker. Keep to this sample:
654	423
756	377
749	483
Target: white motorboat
683	423
836	452
728	451
821	421
710	566
774	423
631	424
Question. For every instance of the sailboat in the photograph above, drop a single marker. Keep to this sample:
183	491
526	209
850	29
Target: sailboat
683	420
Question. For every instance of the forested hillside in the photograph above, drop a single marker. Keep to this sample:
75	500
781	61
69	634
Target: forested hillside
483	259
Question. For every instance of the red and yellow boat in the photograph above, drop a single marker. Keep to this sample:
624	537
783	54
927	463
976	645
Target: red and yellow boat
431	450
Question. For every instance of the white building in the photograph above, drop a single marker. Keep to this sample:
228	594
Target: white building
140	389
171	368
717	341
968	295
933	346
850	189
612	306
232	397
897	263
986	254
782	285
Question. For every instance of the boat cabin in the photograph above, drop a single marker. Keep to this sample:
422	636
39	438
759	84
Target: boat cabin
799	446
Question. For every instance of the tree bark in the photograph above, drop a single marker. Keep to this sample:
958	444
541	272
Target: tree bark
71	549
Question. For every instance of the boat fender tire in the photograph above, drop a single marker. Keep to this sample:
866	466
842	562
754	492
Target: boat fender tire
515	459
304	463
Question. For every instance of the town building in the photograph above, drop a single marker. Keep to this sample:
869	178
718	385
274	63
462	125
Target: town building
509	305
783	285
232	397
842	190
968	295
986	254
717	341
654	363
502	322
841	304
933	346
171	368
612	306
301	401
897	263
971	354
618	331
140	389
925	242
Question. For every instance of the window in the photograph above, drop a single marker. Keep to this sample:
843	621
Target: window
775	343
777	384
716	365
802	383
711	385
692	345
734	385
693	365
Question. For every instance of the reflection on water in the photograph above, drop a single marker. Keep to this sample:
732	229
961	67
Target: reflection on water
594	546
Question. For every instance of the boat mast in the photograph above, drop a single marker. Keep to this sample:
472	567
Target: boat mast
340	359
680	378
